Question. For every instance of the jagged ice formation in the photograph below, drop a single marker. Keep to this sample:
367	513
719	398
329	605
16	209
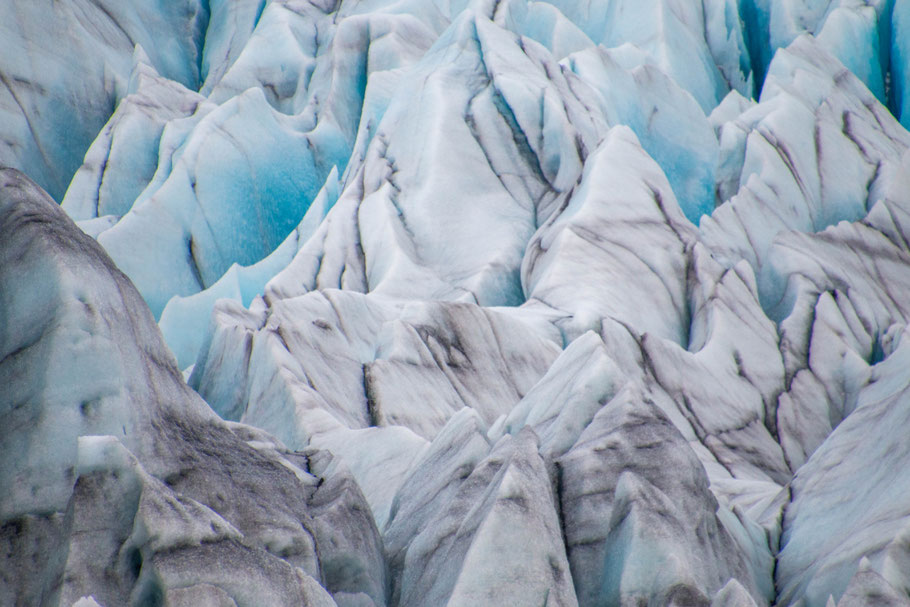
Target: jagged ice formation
413	303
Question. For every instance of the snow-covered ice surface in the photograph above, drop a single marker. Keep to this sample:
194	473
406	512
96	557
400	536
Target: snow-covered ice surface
393	303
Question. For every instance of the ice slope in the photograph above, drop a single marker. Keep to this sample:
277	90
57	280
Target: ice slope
819	149
502	302
119	482
66	65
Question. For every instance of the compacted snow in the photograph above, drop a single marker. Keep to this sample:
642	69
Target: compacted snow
416	303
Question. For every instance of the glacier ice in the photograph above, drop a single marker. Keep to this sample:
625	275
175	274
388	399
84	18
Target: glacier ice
123	158
455	302
231	197
71	525
502	508
613	208
623	486
56	97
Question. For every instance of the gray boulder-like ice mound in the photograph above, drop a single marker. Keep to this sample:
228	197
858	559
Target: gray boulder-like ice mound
120	483
455	302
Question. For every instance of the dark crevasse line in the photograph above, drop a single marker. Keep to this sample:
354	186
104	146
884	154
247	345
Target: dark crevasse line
199	36
756	32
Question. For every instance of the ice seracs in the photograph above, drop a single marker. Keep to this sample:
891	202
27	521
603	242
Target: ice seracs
143	482
487	303
55	98
630	488
233	195
123	159
465	554
614	207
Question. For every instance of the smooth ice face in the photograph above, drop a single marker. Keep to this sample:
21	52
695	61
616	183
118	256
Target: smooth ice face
545	302
567	398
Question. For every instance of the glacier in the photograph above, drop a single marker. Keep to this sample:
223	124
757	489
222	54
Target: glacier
412	303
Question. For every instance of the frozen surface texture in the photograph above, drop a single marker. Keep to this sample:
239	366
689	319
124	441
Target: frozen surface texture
406	303
120	483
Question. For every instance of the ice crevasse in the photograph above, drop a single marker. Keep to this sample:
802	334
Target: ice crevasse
455	302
